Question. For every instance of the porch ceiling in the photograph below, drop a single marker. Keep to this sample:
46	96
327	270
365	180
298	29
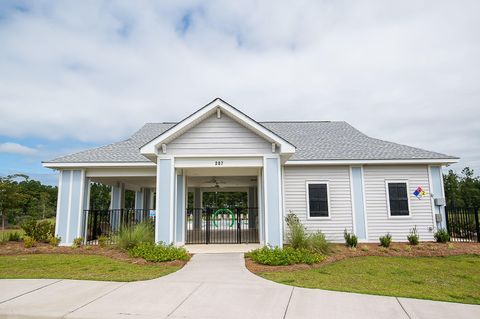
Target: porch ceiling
131	182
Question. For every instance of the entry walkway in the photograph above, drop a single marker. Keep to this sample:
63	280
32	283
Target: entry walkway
209	286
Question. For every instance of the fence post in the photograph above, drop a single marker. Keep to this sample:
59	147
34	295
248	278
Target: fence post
477	224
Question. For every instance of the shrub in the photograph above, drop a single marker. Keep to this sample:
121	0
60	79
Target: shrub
43	231
54	240
3	238
441	236
296	234
385	240
129	237
14	236
158	252
365	248
77	242
29	226
286	256
413	237
317	243
102	241
29	241
40	231
350	239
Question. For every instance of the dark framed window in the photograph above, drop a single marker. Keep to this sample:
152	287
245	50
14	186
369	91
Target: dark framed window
398	198
318	199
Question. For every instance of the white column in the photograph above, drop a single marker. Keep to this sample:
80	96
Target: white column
73	193
272	183
164	223
117	202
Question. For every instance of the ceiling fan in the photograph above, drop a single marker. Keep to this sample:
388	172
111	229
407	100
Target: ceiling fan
216	182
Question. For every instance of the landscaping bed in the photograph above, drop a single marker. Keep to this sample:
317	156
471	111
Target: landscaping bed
340	252
17	248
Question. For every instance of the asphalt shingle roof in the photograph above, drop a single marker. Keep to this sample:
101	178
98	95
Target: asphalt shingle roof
313	141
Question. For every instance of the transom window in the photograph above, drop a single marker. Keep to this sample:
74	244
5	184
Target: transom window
398	198
317	199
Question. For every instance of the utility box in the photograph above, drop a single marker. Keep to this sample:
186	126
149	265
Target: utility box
440	201
438	218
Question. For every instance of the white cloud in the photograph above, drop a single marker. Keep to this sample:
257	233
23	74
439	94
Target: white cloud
15	148
406	71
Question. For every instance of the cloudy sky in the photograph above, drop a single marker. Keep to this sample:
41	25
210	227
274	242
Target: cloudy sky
79	74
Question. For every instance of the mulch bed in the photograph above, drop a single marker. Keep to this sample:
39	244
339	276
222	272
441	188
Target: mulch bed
17	248
340	252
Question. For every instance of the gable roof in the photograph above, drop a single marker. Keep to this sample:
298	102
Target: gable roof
314	141
217	106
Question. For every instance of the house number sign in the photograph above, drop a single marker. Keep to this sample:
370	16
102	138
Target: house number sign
218	163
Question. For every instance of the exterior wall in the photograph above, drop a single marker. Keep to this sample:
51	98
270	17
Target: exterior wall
219	136
378	220
340	214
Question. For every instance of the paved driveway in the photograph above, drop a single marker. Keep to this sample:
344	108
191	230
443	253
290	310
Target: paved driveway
209	286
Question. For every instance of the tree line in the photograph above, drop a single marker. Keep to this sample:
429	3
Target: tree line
462	190
22	197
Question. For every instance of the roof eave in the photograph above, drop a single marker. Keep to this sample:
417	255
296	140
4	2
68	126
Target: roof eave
438	161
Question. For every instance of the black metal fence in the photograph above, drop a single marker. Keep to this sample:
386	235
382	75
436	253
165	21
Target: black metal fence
221	225
108	222
463	224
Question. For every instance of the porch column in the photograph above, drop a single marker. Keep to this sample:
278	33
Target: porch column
272	183
197	213
180	209
147	194
252	203
73	199
164	221
139	204
117	202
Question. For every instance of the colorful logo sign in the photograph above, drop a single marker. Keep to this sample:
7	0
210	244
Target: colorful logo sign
419	192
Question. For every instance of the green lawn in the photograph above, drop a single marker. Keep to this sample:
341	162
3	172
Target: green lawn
85	267
454	278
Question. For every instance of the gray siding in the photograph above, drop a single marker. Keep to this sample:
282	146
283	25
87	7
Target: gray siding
338	177
219	136
378	220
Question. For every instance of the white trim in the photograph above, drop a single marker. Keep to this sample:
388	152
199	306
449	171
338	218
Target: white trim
98	164
357	162
152	146
364	203
59	199
173	183
260	210
289	162
81	202
352	200
393	181
280	201
432	201
184	207
283	202
265	196
69	210
316	182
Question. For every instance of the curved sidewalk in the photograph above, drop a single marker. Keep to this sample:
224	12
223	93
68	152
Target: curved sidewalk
209	286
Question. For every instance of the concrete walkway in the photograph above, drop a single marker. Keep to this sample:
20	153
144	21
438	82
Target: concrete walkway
209	286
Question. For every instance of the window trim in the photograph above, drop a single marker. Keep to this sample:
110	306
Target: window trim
307	197
393	181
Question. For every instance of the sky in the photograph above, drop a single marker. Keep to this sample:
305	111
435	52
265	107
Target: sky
80	74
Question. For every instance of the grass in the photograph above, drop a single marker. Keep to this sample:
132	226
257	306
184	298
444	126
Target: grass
453	278
82	267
